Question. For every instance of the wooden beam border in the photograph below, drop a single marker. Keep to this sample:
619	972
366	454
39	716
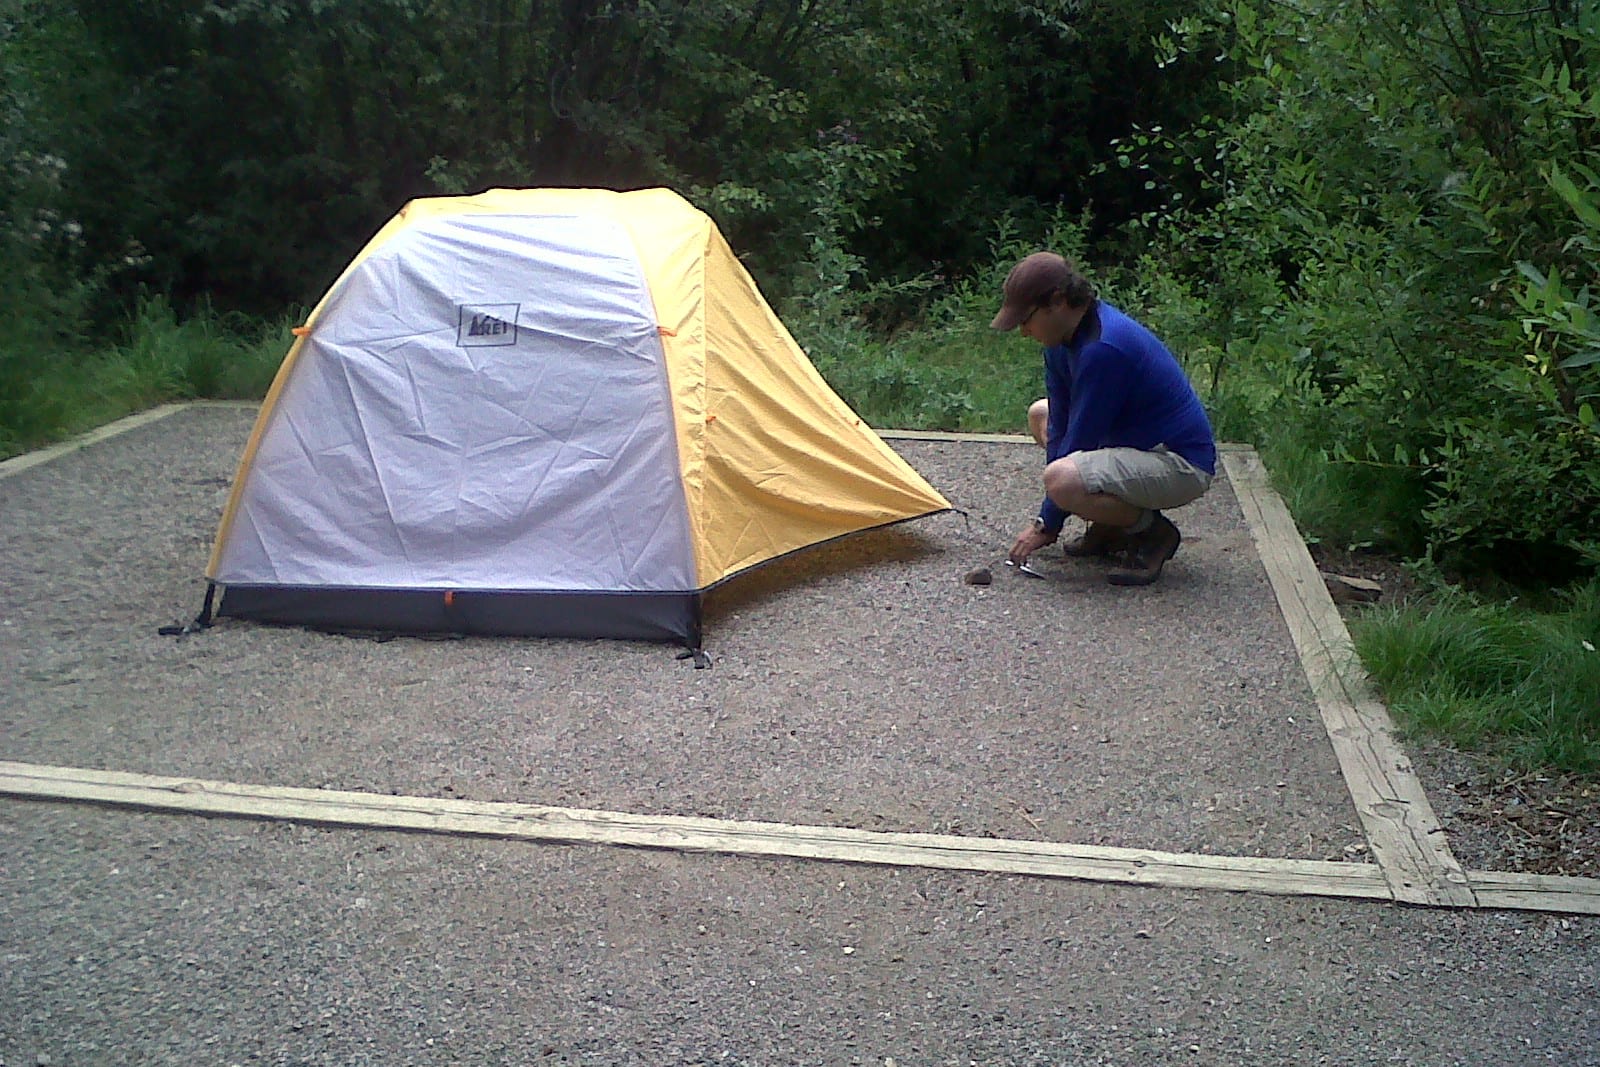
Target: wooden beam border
960	437
1535	892
28	460
534	822
956	438
1402	830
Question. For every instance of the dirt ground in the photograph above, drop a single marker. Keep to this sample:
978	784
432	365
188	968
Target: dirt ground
862	684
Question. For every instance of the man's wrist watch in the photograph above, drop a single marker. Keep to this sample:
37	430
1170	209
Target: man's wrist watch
1038	525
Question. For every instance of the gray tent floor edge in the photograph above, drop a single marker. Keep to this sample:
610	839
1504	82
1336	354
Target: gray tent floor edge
668	617
630	616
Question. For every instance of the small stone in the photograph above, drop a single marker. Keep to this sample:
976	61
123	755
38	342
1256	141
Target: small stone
981	576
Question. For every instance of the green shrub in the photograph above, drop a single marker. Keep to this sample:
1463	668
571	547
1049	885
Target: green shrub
36	399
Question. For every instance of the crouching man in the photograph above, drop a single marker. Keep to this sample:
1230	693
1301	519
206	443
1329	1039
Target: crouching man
1125	436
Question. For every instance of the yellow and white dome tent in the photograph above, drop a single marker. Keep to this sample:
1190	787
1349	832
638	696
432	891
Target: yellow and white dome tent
556	412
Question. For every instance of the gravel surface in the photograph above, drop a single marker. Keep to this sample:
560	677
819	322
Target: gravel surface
862	684
859	684
146	939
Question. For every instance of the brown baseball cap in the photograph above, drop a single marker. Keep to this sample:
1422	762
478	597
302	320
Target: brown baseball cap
1029	285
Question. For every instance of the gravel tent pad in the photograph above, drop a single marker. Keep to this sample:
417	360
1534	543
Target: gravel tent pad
862	684
859	684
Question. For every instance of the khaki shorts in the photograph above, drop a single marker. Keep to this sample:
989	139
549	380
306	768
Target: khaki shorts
1157	479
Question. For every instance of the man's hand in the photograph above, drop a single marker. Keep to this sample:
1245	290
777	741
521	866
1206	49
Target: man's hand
1029	541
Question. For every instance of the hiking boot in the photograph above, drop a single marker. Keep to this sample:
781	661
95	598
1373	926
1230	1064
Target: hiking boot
1100	539
1150	553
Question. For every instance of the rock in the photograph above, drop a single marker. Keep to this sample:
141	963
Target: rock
1347	590
981	576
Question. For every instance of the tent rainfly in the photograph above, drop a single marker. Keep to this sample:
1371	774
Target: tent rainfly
542	412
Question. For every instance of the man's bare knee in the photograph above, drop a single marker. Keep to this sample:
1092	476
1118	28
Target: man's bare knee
1064	485
1039	420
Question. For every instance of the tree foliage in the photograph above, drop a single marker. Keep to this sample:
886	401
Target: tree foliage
239	148
1400	220
1373	228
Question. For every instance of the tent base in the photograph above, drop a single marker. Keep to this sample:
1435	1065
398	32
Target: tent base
628	616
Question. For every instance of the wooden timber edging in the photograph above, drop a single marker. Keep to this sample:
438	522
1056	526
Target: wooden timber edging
1402	830
964	437
573	825
1535	892
532	822
943	435
29	460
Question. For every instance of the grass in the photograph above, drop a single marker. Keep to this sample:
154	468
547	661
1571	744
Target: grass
1514	680
49	391
1344	505
938	380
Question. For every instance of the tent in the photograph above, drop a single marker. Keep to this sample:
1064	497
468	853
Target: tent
553	412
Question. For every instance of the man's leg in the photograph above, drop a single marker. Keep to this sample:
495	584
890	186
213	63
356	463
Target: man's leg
1097	540
1119	491
1064	484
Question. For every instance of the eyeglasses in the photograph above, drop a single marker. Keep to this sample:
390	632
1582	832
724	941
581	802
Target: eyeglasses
1034	311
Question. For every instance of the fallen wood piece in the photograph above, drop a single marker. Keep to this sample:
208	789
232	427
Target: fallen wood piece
1346	589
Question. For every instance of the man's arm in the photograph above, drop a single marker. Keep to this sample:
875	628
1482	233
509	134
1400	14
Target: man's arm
1058	388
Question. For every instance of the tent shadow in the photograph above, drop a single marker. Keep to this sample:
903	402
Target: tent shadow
818	563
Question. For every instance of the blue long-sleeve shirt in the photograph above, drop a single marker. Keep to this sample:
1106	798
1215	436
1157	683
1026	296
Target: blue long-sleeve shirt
1113	384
